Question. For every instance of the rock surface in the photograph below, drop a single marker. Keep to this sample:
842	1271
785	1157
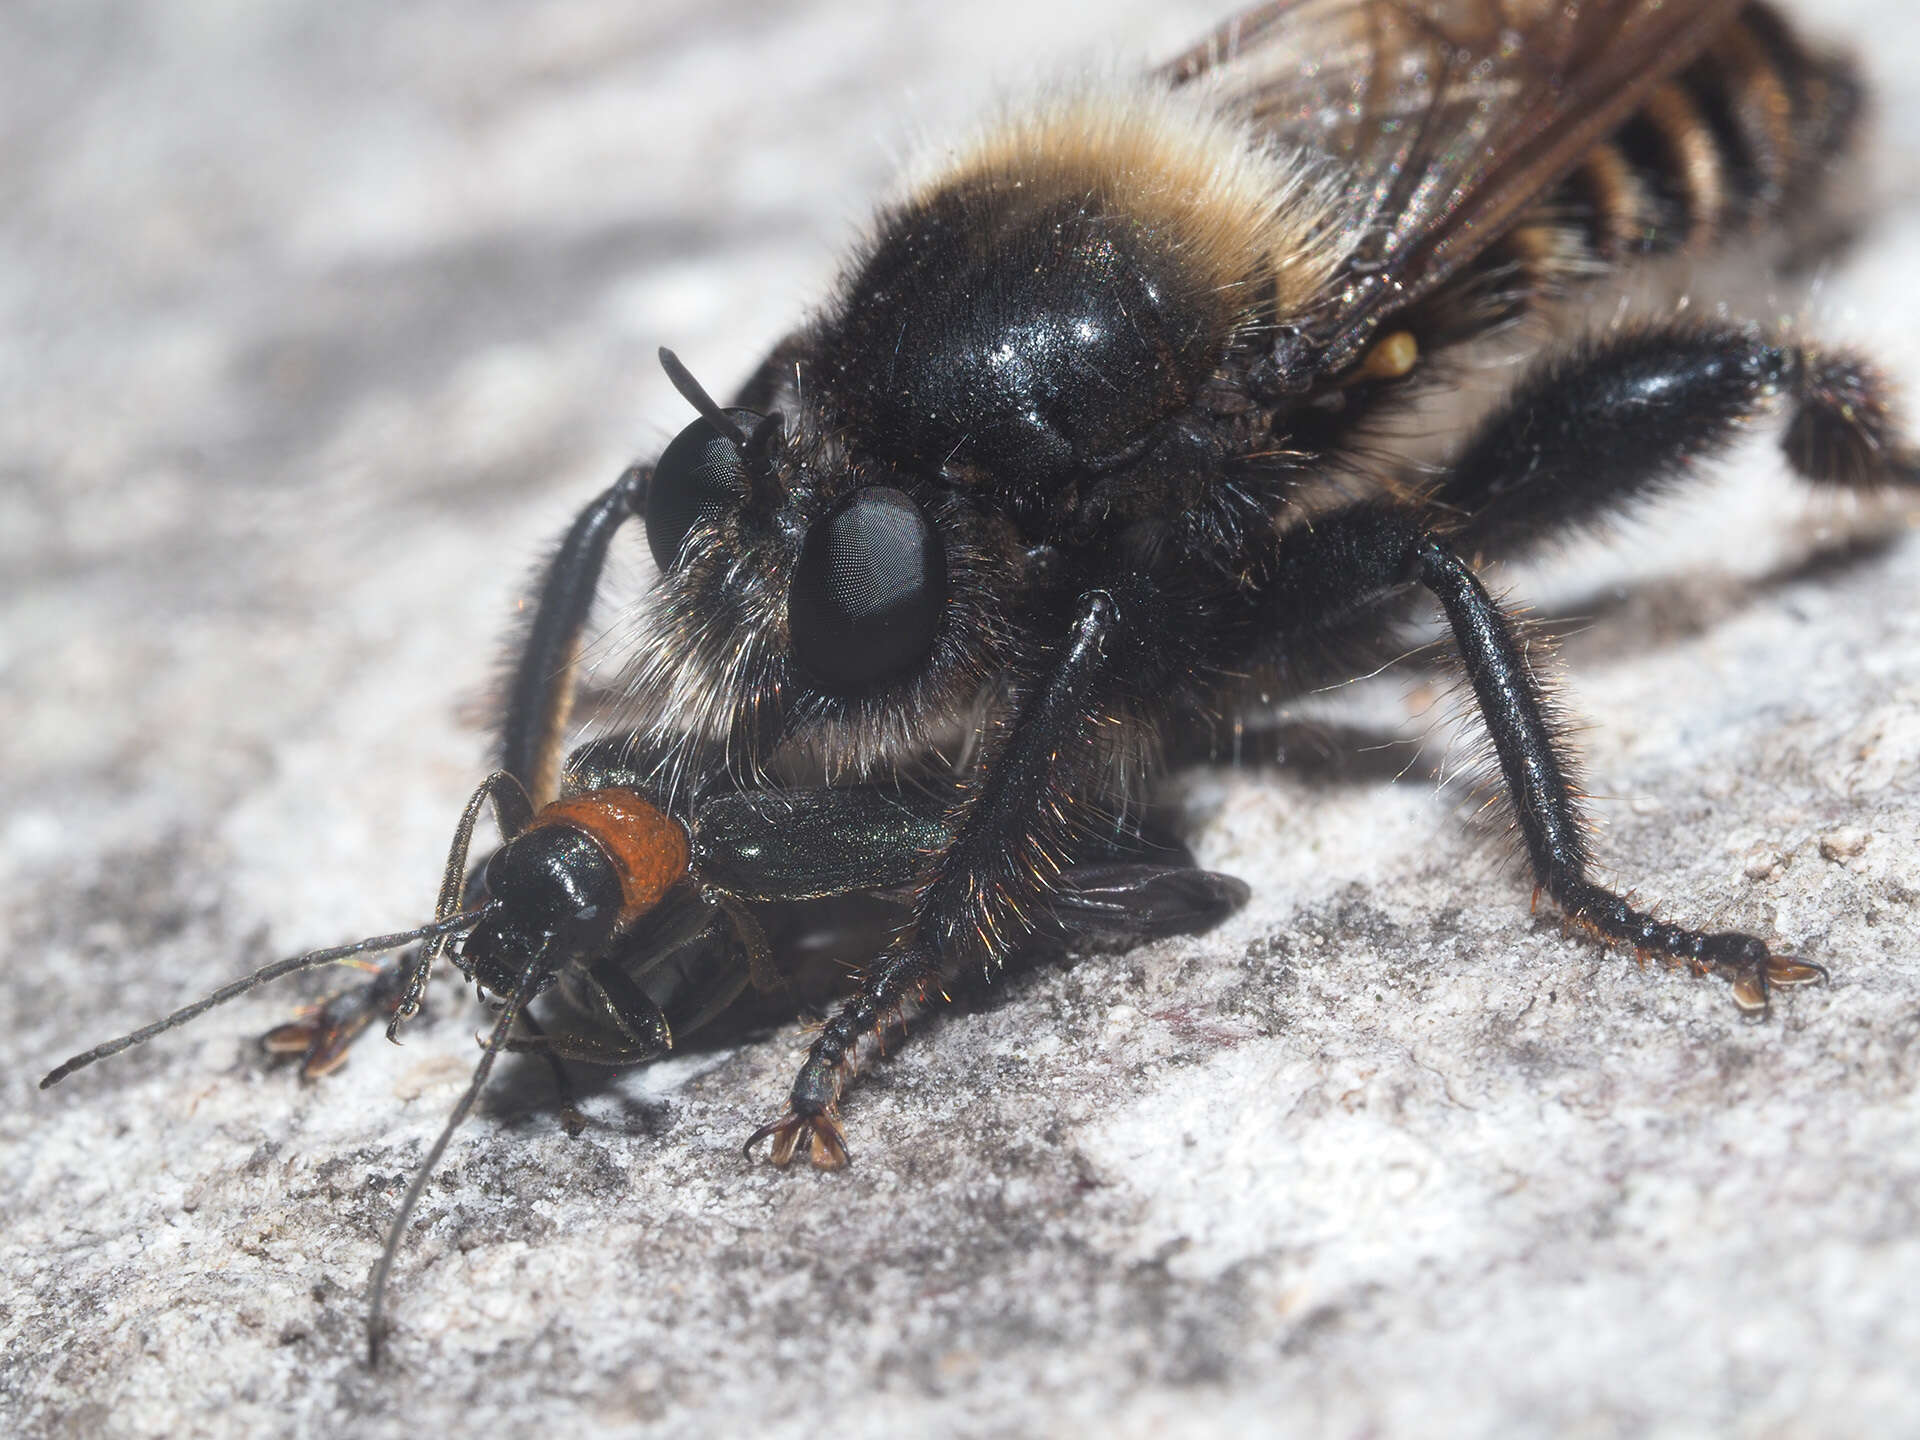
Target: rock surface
325	317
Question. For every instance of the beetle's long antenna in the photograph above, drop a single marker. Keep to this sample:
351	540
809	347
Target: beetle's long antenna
511	811
496	1041
695	395
312	960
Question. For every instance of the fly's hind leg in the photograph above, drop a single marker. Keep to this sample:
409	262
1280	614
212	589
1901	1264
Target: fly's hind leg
1535	776
1622	419
1595	430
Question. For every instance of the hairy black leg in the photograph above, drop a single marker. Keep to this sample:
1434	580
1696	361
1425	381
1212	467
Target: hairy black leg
1345	563
975	896
533	725
540	692
1550	821
1623	418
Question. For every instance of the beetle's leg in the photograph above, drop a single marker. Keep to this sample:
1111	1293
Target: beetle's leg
537	1039
1352	557
540	695
541	689
558	1045
511	812
762	973
610	995
396	988
987	891
1626	417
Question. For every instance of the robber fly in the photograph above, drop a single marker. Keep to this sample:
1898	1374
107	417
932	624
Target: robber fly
1094	442
1092	449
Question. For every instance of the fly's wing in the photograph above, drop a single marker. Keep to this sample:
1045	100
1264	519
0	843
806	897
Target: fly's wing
1449	115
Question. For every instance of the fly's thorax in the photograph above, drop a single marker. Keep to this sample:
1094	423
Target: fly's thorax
1025	352
1035	313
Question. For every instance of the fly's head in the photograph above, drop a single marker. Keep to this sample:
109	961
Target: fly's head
809	598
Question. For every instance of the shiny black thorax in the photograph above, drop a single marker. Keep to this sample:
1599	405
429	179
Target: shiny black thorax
1022	347
1076	404
1067	402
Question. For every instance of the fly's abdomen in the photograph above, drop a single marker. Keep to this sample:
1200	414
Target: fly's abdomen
1722	149
1738	142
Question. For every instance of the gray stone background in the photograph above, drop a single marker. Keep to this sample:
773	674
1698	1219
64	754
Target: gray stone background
320	319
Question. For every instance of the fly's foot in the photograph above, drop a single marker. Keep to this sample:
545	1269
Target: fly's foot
1750	989
811	1122
1751	967
819	1134
322	1034
1742	960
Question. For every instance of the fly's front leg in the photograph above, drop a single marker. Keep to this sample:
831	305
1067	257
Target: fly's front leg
533	730
541	688
322	1034
987	892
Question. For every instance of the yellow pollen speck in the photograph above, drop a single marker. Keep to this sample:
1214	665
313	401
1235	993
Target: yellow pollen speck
1391	358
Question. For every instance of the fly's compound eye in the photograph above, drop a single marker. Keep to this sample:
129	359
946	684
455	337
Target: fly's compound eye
702	475
868	592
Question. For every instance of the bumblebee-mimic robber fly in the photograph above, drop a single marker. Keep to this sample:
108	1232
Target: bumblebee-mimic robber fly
1095	444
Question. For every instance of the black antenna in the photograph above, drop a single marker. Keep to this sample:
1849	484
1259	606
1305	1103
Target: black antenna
377	1287
312	960
511	811
695	395
765	442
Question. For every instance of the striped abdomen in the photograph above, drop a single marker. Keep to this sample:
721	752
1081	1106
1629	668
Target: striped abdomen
1724	149
1746	129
